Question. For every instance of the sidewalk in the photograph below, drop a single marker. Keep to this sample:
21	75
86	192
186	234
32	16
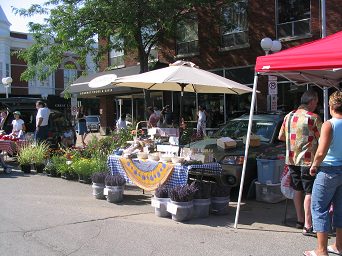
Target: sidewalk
45	216
88	138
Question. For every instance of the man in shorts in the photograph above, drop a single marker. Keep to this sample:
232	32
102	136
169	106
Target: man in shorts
301	130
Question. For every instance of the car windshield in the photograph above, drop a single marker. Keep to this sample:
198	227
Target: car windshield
236	129
92	119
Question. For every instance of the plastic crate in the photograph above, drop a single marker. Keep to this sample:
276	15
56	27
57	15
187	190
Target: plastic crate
269	171
269	193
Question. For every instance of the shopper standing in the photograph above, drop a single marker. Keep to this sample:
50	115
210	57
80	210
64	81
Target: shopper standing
82	124
121	122
18	125
3	116
42	121
153	118
201	121
300	130
327	188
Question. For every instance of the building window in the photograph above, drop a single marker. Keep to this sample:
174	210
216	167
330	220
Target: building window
293	18
187	37
234	30
38	83
1	70
153	57
117	54
8	73
117	59
70	75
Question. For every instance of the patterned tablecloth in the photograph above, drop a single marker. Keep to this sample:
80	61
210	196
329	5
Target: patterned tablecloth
179	175
11	147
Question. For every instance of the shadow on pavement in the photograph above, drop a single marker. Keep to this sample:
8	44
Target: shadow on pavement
15	173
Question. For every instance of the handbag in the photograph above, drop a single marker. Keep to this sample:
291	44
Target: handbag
285	184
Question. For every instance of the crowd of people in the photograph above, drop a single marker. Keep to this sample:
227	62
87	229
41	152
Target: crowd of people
314	158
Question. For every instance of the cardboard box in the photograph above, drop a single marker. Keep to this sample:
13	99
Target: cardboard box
254	141
226	142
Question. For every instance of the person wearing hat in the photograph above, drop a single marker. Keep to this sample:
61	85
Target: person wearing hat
18	125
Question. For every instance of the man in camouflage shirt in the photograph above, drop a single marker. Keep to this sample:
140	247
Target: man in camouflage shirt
300	130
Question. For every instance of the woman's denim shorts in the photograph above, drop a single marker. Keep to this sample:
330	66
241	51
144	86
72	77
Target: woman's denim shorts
327	189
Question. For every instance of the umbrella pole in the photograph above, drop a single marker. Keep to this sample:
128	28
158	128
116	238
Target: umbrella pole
182	85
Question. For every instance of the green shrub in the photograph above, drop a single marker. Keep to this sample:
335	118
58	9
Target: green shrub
25	155
40	152
83	166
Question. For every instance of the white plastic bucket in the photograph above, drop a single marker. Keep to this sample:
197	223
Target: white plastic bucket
219	205
201	208
160	206
98	190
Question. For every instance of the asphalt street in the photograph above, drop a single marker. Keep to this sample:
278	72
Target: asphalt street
44	216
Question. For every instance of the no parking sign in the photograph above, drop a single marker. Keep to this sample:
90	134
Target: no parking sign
272	85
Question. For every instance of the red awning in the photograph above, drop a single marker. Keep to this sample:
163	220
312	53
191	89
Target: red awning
318	62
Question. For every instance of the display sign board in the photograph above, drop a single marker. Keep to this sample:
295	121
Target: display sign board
272	85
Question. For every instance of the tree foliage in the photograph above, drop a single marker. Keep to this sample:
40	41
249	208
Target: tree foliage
74	26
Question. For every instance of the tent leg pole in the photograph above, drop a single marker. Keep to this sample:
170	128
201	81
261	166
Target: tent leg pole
246	149
326	103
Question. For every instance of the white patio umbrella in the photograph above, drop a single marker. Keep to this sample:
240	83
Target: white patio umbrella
184	77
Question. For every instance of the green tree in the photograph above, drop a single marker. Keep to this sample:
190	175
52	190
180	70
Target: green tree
75	25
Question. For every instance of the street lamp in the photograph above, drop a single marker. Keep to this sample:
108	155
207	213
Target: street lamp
269	45
7	83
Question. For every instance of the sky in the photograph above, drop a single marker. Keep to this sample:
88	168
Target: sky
20	24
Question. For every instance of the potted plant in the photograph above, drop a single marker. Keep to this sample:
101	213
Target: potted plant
98	179
64	168
181	204
25	158
40	153
115	187
83	167
160	200
201	199
50	169
220	196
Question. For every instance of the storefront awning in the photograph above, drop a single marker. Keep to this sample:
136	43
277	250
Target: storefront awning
81	85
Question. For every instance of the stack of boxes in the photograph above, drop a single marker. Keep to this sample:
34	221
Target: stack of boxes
268	184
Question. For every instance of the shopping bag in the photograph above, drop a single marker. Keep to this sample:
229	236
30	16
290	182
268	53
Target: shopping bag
285	185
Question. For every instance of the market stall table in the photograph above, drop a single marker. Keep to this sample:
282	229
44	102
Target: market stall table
148	174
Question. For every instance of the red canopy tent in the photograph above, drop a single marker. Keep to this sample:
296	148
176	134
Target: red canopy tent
318	62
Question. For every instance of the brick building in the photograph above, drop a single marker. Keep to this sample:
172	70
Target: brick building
227	42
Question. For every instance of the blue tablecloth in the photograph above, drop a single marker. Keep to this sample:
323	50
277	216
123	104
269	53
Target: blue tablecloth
178	177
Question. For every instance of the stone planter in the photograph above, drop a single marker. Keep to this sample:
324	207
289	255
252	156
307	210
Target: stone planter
201	208
180	211
98	190
219	205
114	193
160	206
